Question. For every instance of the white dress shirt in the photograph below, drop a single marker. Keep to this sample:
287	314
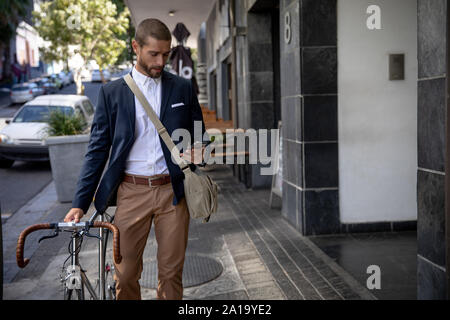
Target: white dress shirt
146	157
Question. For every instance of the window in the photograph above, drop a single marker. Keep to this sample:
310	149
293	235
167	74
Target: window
21	88
87	105
33	113
78	110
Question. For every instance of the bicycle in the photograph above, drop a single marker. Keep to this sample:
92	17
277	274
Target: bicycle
74	278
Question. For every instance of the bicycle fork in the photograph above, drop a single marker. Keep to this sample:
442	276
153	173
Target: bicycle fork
76	278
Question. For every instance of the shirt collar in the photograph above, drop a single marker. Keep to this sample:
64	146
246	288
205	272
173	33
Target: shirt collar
143	79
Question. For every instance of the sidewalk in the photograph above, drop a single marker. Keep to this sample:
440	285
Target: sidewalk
248	250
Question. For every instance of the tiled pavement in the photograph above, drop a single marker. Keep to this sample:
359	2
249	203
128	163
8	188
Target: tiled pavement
300	270
262	256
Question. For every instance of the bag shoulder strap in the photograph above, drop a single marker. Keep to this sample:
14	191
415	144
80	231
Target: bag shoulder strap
162	131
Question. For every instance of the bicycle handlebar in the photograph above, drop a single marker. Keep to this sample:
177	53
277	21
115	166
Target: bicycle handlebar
21	262
116	238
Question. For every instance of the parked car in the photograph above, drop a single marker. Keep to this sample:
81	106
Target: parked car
21	93
50	86
40	84
65	79
56	80
95	76
37	91
23	136
70	75
86	74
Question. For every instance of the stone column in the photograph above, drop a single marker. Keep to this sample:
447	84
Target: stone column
308	43
431	271
202	86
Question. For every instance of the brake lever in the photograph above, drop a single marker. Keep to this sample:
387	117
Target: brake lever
54	235
87	234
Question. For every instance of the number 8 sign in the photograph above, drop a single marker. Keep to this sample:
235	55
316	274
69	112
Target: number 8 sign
287	28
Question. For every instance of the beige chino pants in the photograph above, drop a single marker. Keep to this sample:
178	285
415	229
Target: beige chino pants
137	207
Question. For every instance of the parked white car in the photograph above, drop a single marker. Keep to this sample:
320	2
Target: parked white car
95	76
49	86
86	74
70	75
37	91
21	93
23	138
65	78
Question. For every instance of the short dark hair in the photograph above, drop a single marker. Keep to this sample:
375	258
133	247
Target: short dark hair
153	28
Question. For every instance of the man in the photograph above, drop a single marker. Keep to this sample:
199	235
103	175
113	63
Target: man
141	178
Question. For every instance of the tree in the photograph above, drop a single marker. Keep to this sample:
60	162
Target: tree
11	12
93	27
128	53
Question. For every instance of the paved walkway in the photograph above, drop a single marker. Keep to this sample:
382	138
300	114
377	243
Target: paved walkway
261	255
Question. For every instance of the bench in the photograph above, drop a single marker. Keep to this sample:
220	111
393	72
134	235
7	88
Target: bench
211	121
208	115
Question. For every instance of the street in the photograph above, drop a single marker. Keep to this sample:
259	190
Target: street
24	180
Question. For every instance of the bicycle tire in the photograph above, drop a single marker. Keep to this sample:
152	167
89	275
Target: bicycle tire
68	294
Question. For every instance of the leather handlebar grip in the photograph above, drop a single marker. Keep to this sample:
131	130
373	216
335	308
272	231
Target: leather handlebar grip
21	262
116	238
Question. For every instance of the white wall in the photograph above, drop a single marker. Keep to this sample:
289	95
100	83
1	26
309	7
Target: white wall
377	117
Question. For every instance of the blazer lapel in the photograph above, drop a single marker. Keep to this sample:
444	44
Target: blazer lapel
167	85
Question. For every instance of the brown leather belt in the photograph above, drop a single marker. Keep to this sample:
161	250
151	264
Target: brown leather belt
152	181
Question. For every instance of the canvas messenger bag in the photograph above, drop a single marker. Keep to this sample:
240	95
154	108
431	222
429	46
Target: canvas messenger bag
199	189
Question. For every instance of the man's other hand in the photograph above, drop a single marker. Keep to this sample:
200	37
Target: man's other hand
74	215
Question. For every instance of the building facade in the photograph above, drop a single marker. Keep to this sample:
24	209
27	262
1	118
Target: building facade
359	87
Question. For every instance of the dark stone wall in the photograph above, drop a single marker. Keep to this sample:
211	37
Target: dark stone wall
432	26
308	85
309	115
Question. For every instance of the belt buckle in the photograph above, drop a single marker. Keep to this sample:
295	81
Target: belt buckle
150	181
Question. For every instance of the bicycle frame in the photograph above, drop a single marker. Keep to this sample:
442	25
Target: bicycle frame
101	262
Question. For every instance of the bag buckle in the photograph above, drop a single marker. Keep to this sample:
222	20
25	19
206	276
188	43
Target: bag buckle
162	130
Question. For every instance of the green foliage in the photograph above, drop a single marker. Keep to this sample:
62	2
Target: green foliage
93	26
127	54
61	124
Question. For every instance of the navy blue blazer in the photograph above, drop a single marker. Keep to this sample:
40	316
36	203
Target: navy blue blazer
112	136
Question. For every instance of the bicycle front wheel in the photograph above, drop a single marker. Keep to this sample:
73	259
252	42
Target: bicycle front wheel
73	294
73	285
